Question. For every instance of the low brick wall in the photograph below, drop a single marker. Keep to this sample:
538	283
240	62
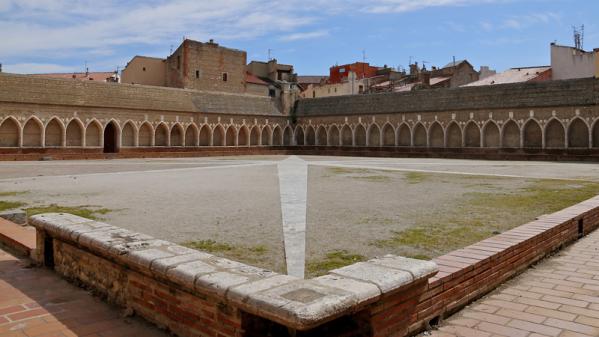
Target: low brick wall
197	294
590	155
192	293
471	272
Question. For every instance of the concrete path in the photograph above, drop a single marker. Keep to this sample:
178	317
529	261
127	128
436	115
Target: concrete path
293	184
35	302
558	297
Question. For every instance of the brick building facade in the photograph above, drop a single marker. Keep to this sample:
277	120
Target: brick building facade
206	67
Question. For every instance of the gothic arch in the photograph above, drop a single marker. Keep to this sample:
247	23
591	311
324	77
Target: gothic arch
243	136
146	135
176	136
205	135
532	134
310	135
436	135
287	136
419	135
265	135
333	136
404	135
346	136
388	135
161	135
510	135
32	132
578	133
54	133
374	135
472	135
230	136
128	135
218	135
596	134
191	135
277	136
453	135
491	136
93	134
111	137
9	132
555	134
299	135
360	135
321	136
74	133
255	136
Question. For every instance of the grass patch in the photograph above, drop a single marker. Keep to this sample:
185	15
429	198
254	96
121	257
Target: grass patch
333	260
12	194
210	246
88	212
480	215
6	205
252	255
415	177
345	170
375	178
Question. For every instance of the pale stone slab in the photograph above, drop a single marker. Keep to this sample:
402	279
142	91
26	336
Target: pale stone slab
186	273
242	292
293	186
418	268
364	291
387	279
161	266
219	282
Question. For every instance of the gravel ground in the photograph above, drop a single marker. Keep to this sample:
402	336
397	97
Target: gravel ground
235	200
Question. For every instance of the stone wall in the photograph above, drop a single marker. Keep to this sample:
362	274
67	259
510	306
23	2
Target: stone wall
542	117
581	92
192	293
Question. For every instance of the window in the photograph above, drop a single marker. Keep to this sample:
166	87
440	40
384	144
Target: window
178	62
342	70
361	89
197	74
144	68
335	90
225	77
272	92
313	94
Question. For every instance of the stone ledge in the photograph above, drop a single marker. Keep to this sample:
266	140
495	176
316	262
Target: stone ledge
296	303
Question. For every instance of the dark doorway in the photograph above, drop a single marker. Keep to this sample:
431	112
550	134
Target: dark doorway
110	139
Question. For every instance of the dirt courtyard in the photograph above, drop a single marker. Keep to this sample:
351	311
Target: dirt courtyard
357	208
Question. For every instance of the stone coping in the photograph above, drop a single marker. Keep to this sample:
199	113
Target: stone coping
296	303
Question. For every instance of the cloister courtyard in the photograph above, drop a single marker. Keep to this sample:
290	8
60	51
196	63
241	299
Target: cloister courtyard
357	208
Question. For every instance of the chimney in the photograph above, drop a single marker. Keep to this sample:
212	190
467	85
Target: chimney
414	69
86	72
0	67
426	78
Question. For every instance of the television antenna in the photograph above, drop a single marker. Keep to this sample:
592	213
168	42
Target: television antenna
578	37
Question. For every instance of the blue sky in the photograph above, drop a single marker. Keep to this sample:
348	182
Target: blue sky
62	35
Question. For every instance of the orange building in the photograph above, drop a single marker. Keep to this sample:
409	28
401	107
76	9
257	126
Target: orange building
339	74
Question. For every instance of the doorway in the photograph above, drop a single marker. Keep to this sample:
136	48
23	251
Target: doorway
110	138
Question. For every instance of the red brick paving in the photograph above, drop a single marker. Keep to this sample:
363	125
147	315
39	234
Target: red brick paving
35	302
559	297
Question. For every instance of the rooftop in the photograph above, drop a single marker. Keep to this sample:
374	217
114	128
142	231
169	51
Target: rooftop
513	75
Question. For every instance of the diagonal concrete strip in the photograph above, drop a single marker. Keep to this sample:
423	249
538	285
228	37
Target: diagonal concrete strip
293	185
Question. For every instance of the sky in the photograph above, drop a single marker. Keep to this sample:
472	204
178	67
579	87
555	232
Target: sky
40	36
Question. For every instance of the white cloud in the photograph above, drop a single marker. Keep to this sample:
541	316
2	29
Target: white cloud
305	35
36	68
401	6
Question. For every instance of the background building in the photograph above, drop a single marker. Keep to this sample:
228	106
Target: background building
145	70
